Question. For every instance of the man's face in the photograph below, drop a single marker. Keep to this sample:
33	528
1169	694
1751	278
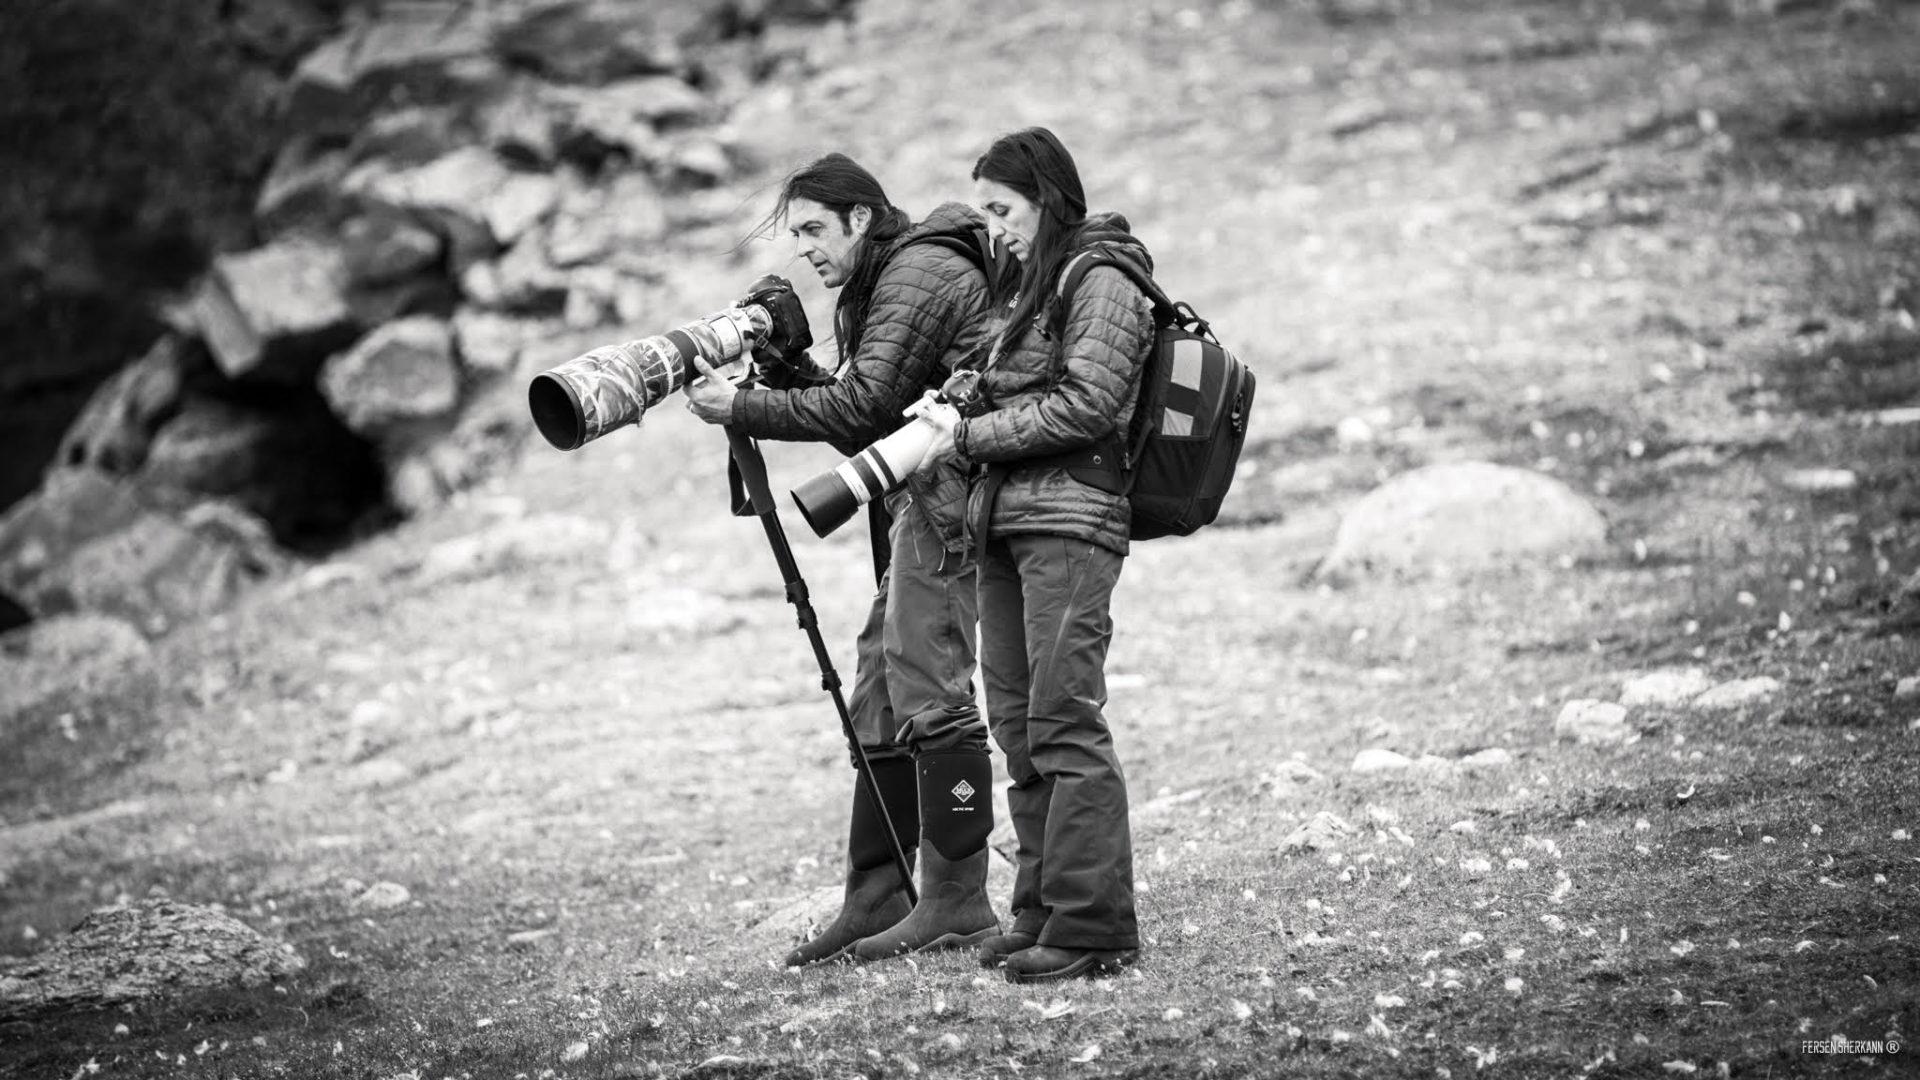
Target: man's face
1011	219
824	241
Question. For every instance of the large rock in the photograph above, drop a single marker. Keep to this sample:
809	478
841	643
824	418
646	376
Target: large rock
161	571
1593	722
289	461
490	343
425	51
1900	609
80	654
377	305
790	921
1738	694
86	541
383	246
411	136
478	203
802	11
522	280
599	41
1322	833
116	428
278	30
1664	689
213	448
659	100
70	508
524	124
538	124
1375	759
303	188
1464	516
627	116
402	373
155	950
273	313
488	433
599	295
697	160
618	225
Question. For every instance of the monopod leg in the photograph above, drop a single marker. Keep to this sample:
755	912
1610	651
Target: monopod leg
752	470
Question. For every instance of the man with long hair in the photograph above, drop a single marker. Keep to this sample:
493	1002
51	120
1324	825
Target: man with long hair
907	311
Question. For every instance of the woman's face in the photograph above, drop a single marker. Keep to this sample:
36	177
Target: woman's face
1011	219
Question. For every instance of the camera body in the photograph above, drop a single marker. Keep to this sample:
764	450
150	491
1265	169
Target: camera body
963	391
613	386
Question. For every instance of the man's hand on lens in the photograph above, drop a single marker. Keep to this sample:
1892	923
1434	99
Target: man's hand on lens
710	397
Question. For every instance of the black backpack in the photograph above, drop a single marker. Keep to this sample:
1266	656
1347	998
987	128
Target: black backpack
1189	422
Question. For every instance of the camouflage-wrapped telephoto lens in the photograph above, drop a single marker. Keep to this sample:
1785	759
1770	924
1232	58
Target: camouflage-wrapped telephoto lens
614	386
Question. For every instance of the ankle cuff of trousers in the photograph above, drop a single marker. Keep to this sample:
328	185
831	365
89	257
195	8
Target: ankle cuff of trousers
1098	942
956	801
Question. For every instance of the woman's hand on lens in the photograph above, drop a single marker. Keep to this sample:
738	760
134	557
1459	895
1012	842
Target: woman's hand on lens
710	397
943	418
934	411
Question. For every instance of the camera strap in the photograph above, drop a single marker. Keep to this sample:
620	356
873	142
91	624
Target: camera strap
740	500
880	534
744	500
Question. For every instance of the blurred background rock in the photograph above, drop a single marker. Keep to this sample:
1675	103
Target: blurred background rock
293	257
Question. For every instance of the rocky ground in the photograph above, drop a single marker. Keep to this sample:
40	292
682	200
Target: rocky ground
541	781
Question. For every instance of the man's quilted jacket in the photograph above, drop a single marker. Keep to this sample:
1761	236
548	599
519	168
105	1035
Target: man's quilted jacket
927	311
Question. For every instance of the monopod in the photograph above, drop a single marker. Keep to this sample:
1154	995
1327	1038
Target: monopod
750	475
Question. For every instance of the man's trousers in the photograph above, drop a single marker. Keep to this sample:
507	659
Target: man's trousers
913	677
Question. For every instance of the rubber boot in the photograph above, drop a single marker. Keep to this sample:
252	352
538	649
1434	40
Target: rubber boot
875	898
956	817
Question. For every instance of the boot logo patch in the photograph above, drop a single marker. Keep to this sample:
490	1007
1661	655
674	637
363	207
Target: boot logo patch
963	791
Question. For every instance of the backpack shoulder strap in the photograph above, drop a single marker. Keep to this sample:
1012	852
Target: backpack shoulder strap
1166	312
1078	267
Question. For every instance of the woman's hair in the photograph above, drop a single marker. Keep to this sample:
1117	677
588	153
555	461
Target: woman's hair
1033	163
838	183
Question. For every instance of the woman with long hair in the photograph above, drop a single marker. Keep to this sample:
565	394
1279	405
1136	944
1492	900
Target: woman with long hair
1050	521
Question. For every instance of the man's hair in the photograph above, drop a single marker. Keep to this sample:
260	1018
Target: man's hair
1034	164
839	183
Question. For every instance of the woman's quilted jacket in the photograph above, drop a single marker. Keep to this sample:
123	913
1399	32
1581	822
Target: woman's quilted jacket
1052	394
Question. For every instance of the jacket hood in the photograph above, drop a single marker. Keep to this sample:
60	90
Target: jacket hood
946	218
1111	230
